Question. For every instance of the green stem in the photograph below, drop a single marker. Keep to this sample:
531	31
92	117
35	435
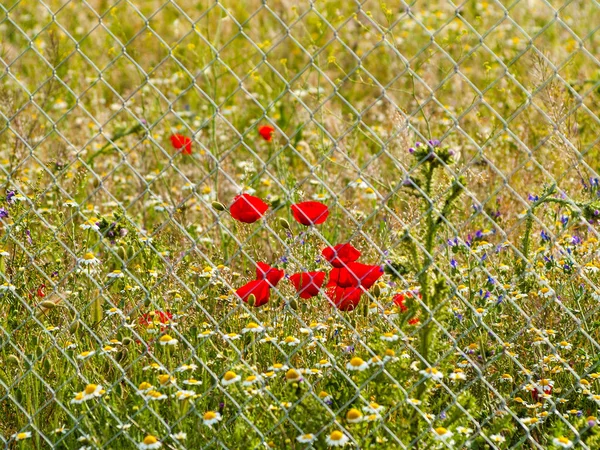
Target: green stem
134	129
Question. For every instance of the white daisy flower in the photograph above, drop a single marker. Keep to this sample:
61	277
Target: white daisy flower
21	436
389	337
149	443
253	327
210	418
167	340
497	438
432	373
181	436
89	259
337	439
357	364
306	438
91	224
183	394
442	433
230	377
562	442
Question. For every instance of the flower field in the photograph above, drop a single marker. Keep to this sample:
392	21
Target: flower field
289	225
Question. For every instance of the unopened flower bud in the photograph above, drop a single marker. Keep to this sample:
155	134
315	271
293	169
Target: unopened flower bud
218	206
48	304
284	223
376	291
251	299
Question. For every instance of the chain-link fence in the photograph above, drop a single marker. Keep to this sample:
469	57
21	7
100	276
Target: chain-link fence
276	224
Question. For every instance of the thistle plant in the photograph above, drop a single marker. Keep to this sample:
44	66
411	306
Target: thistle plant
436	195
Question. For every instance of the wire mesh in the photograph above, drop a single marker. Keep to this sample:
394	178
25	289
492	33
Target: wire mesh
151	152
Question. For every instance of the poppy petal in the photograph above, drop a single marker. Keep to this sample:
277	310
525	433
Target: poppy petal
266	131
182	143
308	284
271	274
310	213
247	208
259	288
341	255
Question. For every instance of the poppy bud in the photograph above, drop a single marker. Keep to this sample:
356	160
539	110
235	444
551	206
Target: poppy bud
284	223
251	299
218	206
48	304
376	291
294	304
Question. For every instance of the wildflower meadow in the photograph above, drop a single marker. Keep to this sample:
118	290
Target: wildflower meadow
299	224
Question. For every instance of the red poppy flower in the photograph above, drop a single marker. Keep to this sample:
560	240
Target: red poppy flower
414	321
266	272
539	394
307	284
41	291
310	213
346	284
399	301
247	208
259	288
182	143
345	299
266	131
341	255
355	274
162	317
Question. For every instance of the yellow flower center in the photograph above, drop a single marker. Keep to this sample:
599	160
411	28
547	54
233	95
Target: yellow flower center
21	436
209	415
292	375
440	431
356	362
252	325
336	436
163	379
144	385
563	440
166	338
89	256
229	376
353	414
90	389
148	440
